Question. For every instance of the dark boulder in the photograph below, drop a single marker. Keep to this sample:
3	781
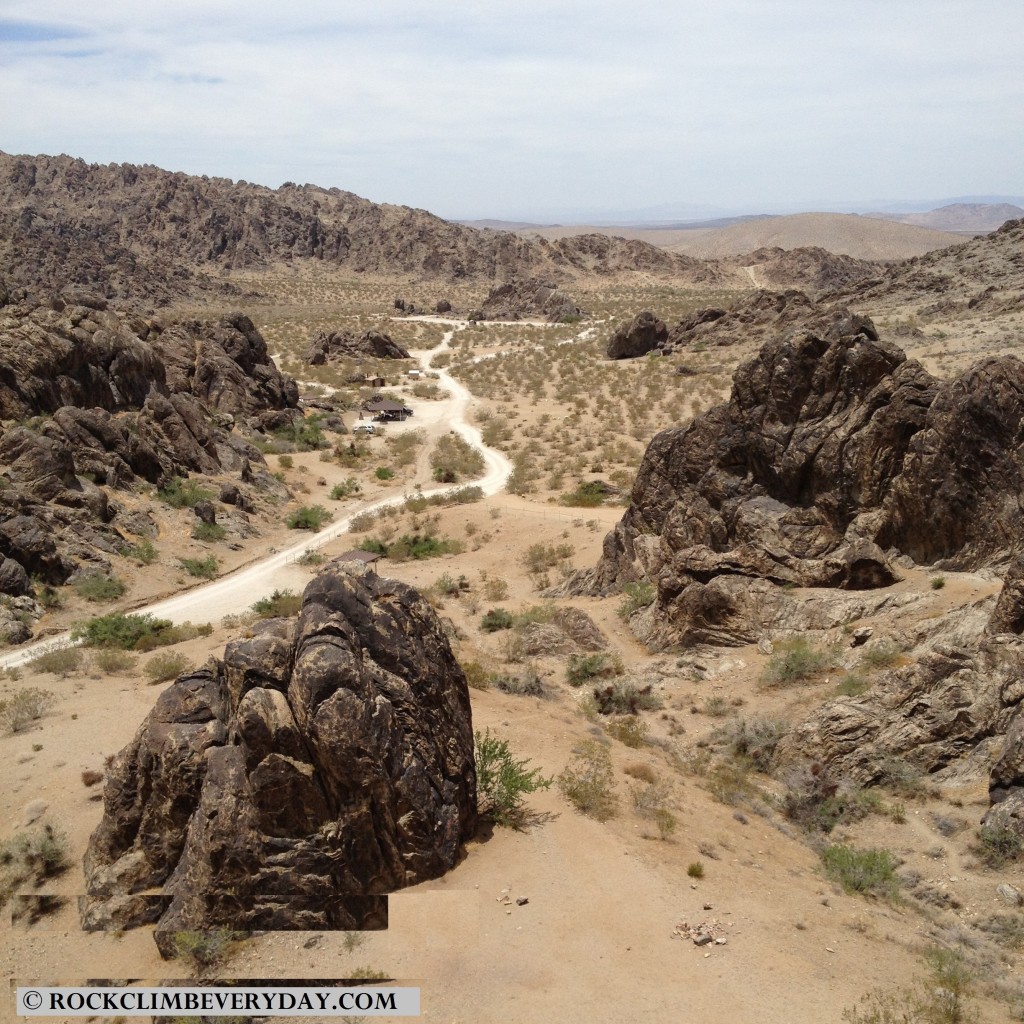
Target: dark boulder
326	347
326	761
644	333
13	578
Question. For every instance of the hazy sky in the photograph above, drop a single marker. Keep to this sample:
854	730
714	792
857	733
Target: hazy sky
535	108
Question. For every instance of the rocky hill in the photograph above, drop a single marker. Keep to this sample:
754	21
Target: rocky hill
151	235
983	275
95	400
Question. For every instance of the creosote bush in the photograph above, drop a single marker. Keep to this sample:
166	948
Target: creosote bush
796	660
184	493
588	783
166	665
869	872
310	517
99	588
204	951
281	604
208	532
626	698
200	568
61	661
135	632
502	780
25	707
30	858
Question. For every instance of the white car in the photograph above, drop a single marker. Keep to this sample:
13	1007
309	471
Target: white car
364	428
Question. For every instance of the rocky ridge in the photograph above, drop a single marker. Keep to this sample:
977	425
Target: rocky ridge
324	762
371	344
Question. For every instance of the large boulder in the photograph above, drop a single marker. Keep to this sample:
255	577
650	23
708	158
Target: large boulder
324	762
833	453
516	299
644	333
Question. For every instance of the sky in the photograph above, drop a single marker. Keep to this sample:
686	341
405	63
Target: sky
539	109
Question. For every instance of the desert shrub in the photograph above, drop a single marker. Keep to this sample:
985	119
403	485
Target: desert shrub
24	708
98	588
937	582
165	666
1006	929
540	557
796	661
346	489
285	461
447	585
869	872
477	677
279	605
583	667
628	729
642	772
208	532
853	684
902	778
496	589
30	858
134	632
204	951
636	596
587	782
454	459
883	655
414	546
754	739
403	446
666	822
818	802
184	493
997	845
695	869
91	777
114	661
728	782
143	551
588	494
49	597
305	435
362	522
200	568
61	661
383	473
309	517
625	698
502	781
497	619
527	683
311	557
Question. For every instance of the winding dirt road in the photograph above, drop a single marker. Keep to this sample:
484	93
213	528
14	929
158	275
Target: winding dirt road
237	591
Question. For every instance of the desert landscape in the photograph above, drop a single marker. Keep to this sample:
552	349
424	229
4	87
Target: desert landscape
575	626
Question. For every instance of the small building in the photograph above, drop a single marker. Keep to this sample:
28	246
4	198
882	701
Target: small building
385	409
415	374
376	382
366	558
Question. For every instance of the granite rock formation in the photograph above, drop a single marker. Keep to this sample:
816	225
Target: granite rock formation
833	454
515	300
326	761
345	344
644	333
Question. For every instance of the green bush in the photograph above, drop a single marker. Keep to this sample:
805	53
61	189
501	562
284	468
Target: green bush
124	631
477	677
454	459
184	493
588	494
98	588
167	665
502	781
695	869
345	490
496	619
937	582
285	461
204	951
383	473
208	532
868	872
309	518
280	604
200	568
143	551
637	596
629	730
587	782
754	739
795	661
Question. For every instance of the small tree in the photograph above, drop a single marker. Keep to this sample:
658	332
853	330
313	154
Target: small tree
502	781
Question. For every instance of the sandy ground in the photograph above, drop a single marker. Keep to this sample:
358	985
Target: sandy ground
596	941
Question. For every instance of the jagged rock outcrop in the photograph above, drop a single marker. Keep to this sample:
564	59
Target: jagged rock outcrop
325	761
1006	781
808	267
644	333
832	450
345	344
514	300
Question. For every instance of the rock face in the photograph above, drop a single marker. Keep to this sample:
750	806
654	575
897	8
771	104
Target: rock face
644	333
102	398
326	761
532	298
344	344
832	450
